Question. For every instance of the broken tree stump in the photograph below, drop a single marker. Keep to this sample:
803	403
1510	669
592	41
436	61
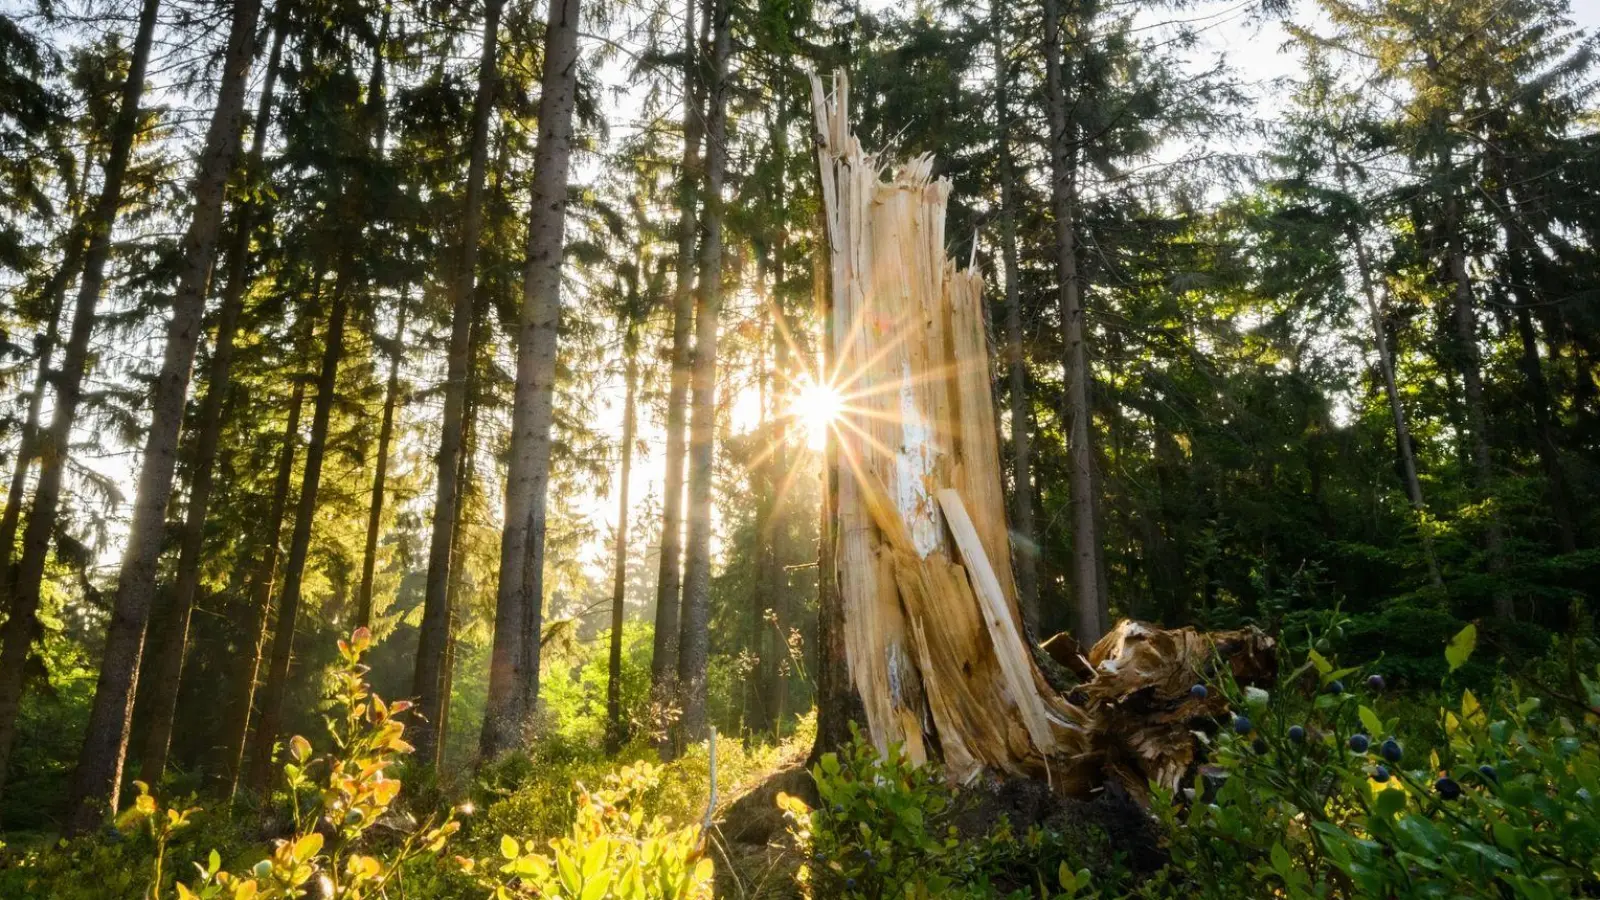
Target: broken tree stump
932	634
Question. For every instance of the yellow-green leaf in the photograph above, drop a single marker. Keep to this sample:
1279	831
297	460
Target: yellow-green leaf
1461	647
307	846
1323	666
508	846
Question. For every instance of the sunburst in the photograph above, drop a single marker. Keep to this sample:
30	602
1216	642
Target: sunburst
816	407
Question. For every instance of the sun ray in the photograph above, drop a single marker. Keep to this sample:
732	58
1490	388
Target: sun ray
816	406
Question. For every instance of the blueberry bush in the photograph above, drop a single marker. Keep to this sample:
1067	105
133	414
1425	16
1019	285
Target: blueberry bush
1327	789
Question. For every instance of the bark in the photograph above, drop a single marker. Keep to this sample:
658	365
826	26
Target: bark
277	681
237	730
99	776
838	704
173	644
1470	363
757	710
1024	543
779	666
434	633
465	477
1077	412
23	585
664	656
1391	387
694	637
391	399
616	732
514	661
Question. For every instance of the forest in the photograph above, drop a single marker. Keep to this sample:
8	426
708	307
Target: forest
453	449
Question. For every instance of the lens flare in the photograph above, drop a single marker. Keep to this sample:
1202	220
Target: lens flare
816	407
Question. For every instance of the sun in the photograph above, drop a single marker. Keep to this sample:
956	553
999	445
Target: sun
816	406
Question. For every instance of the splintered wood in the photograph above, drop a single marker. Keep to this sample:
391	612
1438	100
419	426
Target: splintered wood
932	629
924	557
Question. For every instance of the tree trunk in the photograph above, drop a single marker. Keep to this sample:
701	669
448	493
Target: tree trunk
44	348
1077	412
466	475
435	629
756	711
391	395
23	586
99	776
616	730
173	645
664	655
1469	361
782	465
931	629
237	730
1391	387
1024	543
514	663
300	541
694	638
838	705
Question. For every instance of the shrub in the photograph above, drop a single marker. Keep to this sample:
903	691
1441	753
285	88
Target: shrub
345	793
885	828
615	851
1501	806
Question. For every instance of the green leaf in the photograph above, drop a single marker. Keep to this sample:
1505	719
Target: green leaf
508	846
1422	832
830	764
1461	647
1371	722
1280	859
1491	854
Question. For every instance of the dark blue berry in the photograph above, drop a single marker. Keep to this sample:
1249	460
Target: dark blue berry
1488	772
1375	682
838	809
1259	746
1199	692
1359	743
1447	788
1336	687
1242	725
1380	774
819	856
1297	734
850	883
1391	750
